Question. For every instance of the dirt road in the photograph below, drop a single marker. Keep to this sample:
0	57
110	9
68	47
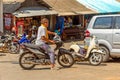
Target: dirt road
10	70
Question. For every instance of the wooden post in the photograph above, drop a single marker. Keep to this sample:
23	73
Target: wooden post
51	22
83	21
1	15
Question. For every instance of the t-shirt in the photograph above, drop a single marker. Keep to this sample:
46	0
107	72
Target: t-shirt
41	32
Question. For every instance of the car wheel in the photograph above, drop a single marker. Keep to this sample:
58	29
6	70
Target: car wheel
106	53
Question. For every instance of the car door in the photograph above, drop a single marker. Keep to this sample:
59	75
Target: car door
116	33
103	28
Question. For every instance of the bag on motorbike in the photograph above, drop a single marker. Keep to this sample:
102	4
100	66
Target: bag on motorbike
24	39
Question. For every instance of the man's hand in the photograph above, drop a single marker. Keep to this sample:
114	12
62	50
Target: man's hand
51	41
47	40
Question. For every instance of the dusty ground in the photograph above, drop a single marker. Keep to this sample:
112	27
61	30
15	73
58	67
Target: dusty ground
10	70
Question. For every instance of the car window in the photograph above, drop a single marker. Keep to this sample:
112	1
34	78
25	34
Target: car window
103	23
117	23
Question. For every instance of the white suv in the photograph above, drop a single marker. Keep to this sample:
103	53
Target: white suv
107	30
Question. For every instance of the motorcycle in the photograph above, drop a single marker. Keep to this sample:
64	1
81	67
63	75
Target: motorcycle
91	52
15	45
32	55
5	41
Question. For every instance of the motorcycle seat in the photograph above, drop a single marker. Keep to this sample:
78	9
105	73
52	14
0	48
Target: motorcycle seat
33	46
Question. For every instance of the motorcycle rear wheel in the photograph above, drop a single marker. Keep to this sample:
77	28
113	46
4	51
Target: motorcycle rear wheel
29	63
95	58
66	60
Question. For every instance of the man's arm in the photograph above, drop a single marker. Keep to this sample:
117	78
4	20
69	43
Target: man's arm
49	32
47	40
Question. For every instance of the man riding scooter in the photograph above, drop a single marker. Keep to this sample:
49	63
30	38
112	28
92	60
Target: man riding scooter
43	40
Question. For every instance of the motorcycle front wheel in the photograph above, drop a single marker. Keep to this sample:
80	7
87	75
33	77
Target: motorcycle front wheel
13	49
26	61
95	58
66	60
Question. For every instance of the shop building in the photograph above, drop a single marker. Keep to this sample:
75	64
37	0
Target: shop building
26	15
70	16
9	7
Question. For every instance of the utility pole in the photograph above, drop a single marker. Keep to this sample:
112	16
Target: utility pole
1	15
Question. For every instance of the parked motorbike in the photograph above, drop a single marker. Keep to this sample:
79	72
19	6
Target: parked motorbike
34	55
91	52
5	41
15	44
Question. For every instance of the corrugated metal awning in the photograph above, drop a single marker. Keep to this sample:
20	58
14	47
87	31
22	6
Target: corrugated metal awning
34	11
69	7
86	12
9	6
66	13
102	6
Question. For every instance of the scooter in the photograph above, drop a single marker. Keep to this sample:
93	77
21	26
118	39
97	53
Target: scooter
92	53
32	55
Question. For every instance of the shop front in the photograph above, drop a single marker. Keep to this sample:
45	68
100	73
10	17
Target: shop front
28	19
71	27
7	19
73	13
